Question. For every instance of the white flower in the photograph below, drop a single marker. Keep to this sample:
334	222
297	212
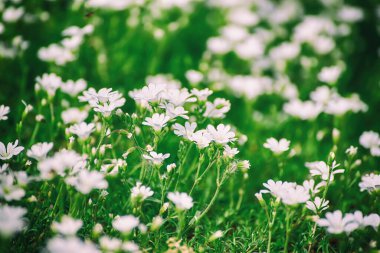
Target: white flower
74	115
39	150
110	244
113	167
221	134
131	247
157	121
156	158
49	82
182	201
290	193
68	226
56	53
317	205
370	182
140	192
70	245
186	131
174	112
4	110
125	224
320	168
202	95
12	14
194	77
370	140
9	151
304	110
276	146
9	190
11	219
202	138
216	235
178	97
217	109
336	223
150	93
86	181
230	152
73	88
329	74
82	130
350	14
58	163
104	101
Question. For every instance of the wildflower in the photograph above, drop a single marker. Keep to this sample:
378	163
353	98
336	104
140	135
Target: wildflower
125	224
371	140
110	244
202	95
186	131
182	201
230	152
131	247
140	192
73	88
11	219
352	151
317	205
244	165
148	94
304	110
39	150
68	226
12	14
113	167
178	97
321	169
217	109
171	167
104	101
156	158
370	182
276	146
9	190
58	163
329	74
336	223
74	115
202	138
70	245
221	134
4	110
11	150
194	77
157	121
174	112
289	193
49	82
85	181
82	130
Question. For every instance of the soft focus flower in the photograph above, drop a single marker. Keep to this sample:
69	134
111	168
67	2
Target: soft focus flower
125	224
156	158
370	182
182	201
68	226
11	219
140	192
39	150
276	146
157	121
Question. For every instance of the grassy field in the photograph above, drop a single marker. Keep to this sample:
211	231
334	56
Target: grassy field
189	126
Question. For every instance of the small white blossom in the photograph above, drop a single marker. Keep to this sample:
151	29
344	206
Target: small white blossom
276	146
182	201
68	226
39	150
156	158
82	130
157	121
11	150
370	182
140	192
4	110
11	220
221	134
125	224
